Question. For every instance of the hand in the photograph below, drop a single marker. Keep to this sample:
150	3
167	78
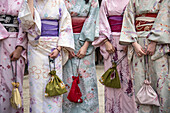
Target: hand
55	52
109	47
71	55
82	52
151	48
16	54
138	49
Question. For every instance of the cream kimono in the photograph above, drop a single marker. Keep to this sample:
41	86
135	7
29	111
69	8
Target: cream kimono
51	27
145	21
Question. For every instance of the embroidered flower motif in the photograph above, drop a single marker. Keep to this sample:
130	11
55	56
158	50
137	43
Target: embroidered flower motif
69	80
85	75
86	62
89	96
32	101
35	71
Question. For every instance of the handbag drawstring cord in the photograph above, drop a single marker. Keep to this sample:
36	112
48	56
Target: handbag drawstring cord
51	60
14	73
77	67
119	60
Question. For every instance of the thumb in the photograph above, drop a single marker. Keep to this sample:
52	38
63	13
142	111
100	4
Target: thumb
78	53
51	54
11	56
73	53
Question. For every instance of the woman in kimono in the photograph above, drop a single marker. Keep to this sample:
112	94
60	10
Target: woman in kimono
146	31
12	47
84	17
111	16
50	34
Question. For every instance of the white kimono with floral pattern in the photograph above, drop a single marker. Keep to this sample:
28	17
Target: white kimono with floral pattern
39	49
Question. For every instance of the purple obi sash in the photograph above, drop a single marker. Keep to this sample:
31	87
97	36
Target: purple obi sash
49	27
115	22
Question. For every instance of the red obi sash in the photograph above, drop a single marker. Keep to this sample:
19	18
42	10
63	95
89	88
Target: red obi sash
142	25
77	24
115	22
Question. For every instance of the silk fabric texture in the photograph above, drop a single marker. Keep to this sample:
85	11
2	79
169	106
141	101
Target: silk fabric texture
8	43
159	62
39	47
116	100
88	79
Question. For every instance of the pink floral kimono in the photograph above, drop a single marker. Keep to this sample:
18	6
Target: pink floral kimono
110	23
11	36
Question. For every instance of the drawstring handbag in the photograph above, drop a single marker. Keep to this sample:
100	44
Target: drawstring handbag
75	93
111	77
146	95
55	86
15	99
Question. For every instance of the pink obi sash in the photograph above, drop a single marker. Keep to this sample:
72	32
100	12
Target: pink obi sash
115	22
77	24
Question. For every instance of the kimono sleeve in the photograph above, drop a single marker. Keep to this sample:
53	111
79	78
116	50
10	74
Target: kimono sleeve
105	30
66	38
97	27
22	41
88	30
160	32
29	24
128	32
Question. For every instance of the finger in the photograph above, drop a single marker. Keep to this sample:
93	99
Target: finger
112	50
109	51
81	56
73	54
78	54
142	52
54	55
139	54
13	58
150	53
50	54
11	55
70	56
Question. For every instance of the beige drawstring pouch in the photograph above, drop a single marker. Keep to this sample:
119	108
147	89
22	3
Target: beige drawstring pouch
15	99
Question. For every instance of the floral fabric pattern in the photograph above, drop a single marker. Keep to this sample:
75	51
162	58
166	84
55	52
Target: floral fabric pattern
9	40
39	47
88	79
159	62
116	100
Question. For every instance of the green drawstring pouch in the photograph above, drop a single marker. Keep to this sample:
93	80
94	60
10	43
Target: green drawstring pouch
111	77
55	86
